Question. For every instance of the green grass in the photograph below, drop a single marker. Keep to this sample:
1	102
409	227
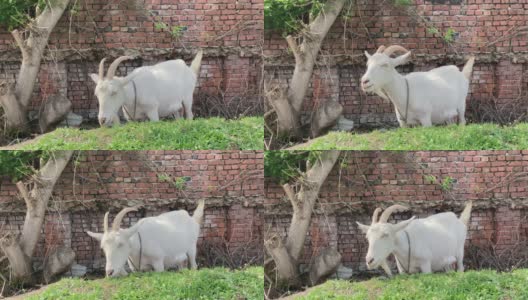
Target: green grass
480	285
217	283
212	133
453	137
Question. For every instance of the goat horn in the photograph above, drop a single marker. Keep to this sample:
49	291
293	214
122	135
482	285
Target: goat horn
119	217
101	69
113	67
392	209
375	215
394	48
381	49
105	222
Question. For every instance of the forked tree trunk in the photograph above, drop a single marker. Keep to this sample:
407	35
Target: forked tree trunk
286	254
19	249
288	105
15	100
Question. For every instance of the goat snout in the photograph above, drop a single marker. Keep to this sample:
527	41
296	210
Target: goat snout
102	121
370	260
109	273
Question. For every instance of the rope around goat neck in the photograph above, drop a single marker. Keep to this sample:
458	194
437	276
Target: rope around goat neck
140	255
408	271
408	253
135	101
403	118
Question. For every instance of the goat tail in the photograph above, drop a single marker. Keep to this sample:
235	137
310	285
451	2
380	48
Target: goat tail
468	67
199	212
466	214
197	62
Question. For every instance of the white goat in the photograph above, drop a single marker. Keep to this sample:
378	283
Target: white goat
425	245
157	243
419	98
151	92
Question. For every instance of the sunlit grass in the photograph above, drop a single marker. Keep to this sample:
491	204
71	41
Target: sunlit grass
454	137
203	134
217	283
482	285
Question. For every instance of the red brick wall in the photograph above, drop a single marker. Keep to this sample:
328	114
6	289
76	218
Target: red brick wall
495	180
484	29
230	32
230	182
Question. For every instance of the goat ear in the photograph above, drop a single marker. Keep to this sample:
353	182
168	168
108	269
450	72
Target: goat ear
94	77
95	235
363	228
402	59
367	55
402	225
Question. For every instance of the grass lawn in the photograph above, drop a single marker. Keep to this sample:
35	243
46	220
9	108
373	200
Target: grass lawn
212	133
480	285
217	283
453	137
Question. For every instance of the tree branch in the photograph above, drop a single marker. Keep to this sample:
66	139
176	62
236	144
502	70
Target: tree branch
45	180
20	42
317	31
289	192
294	48
23	191
307	197
33	48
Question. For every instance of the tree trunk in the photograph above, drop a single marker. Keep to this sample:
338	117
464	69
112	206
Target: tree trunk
58	262
305	57
14	113
286	266
325	264
325	117
15	101
288	120
20	250
19	263
286	255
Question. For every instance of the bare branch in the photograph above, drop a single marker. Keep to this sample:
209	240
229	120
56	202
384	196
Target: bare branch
25	194
23	190
295	48
289	192
20	42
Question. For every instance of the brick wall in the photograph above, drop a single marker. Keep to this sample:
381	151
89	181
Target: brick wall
495	180
230	32
230	182
483	28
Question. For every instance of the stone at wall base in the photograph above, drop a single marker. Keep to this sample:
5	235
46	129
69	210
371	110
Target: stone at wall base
343	272
77	271
54	111
343	124
71	120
